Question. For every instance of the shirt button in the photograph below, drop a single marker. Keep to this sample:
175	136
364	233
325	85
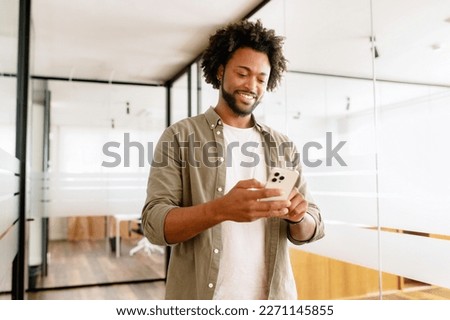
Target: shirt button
210	285
219	189
216	250
218	132
221	159
212	126
219	122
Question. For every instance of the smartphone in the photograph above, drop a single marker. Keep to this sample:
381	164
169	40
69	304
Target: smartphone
283	179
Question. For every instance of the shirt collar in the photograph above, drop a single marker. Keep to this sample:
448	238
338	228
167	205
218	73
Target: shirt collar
214	120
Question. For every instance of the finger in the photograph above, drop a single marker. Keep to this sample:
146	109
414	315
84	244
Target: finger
273	206
266	193
298	208
296	198
293	218
294	193
250	183
278	213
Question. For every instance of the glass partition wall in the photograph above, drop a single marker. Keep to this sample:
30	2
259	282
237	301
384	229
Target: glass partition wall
101	140
9	164
365	99
366	102
326	106
372	143
412	100
186	94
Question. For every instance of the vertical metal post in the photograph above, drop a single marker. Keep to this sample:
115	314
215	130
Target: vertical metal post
199	88
18	282
168	104
45	166
168	123
189	91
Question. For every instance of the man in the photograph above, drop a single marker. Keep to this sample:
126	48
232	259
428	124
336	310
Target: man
208	175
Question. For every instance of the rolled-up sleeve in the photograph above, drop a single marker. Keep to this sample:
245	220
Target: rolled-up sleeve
164	188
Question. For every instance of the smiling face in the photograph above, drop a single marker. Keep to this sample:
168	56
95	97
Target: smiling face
244	80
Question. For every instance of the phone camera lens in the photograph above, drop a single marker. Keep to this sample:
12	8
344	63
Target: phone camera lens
274	180
276	174
282	178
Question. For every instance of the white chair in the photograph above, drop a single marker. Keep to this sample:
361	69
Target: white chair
147	246
144	244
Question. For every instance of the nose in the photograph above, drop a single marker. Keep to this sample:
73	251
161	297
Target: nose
252	84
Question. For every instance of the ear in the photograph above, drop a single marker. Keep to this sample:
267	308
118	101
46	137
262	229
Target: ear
220	73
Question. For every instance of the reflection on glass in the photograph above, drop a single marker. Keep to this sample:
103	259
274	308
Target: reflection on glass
387	208
326	106
179	99
102	139
413	94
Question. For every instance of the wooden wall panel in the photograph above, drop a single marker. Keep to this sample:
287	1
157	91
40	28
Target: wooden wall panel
320	278
93	228
86	228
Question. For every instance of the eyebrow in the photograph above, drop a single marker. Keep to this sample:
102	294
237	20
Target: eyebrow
250	70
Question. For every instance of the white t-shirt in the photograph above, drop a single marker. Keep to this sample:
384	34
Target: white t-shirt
243	267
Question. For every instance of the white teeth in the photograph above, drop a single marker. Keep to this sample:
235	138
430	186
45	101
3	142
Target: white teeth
247	95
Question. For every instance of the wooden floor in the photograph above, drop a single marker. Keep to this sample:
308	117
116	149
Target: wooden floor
155	291
141	291
89	270
415	293
75	263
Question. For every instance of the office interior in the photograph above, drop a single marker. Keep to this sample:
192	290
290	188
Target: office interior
87	87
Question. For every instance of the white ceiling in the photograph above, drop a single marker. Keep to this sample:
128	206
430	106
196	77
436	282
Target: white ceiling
149	41
146	41
333	37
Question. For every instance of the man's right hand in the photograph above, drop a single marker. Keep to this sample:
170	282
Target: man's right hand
241	203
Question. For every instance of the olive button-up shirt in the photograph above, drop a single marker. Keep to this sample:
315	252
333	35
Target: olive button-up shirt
189	168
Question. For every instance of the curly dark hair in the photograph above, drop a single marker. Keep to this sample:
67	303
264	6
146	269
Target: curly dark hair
243	34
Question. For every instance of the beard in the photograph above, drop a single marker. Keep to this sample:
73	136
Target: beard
232	103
